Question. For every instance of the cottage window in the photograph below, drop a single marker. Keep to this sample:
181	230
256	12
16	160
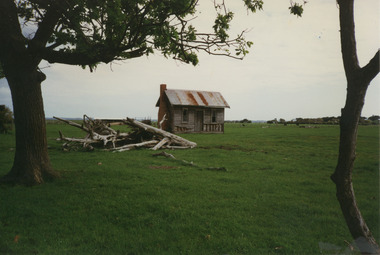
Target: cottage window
185	115
213	116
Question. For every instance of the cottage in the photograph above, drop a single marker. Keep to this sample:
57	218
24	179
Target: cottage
190	111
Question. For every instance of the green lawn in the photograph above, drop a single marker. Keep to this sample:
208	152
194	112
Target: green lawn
275	198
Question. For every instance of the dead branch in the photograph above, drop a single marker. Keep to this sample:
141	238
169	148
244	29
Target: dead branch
72	124
134	146
165	154
187	163
100	134
174	138
161	143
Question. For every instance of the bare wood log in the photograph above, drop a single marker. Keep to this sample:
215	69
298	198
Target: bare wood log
96	138
162	121
87	129
112	137
115	123
133	146
86	142
112	131
175	147
79	140
60	135
174	138
161	143
73	124
165	154
97	125
105	138
99	133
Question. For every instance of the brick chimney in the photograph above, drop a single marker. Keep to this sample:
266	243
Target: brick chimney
162	89
163	109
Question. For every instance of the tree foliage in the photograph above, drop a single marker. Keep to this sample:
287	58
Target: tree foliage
87	32
254	5
296	9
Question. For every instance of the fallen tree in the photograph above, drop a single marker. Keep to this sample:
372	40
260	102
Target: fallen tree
187	163
99	134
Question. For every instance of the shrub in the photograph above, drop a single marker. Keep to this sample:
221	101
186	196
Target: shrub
245	121
6	119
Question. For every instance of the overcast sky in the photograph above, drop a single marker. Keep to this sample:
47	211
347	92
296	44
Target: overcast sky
294	69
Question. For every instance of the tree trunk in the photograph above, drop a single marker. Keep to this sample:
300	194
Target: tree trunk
358	80
31	164
342	176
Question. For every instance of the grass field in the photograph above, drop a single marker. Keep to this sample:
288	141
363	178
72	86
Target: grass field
275	198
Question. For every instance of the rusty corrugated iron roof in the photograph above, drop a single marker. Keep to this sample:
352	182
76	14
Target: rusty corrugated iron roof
196	98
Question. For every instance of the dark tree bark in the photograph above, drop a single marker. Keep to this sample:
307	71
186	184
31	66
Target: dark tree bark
358	80
31	164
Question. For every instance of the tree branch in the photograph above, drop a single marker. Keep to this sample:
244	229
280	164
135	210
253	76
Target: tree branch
12	42
372	68
347	37
46	26
9	24
41	3
84	58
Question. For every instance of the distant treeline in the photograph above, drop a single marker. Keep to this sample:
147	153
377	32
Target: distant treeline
245	121
373	120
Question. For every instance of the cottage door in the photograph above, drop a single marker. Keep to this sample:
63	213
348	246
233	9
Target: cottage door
199	121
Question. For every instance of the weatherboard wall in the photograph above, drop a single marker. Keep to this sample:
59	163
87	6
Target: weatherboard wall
199	120
189	111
